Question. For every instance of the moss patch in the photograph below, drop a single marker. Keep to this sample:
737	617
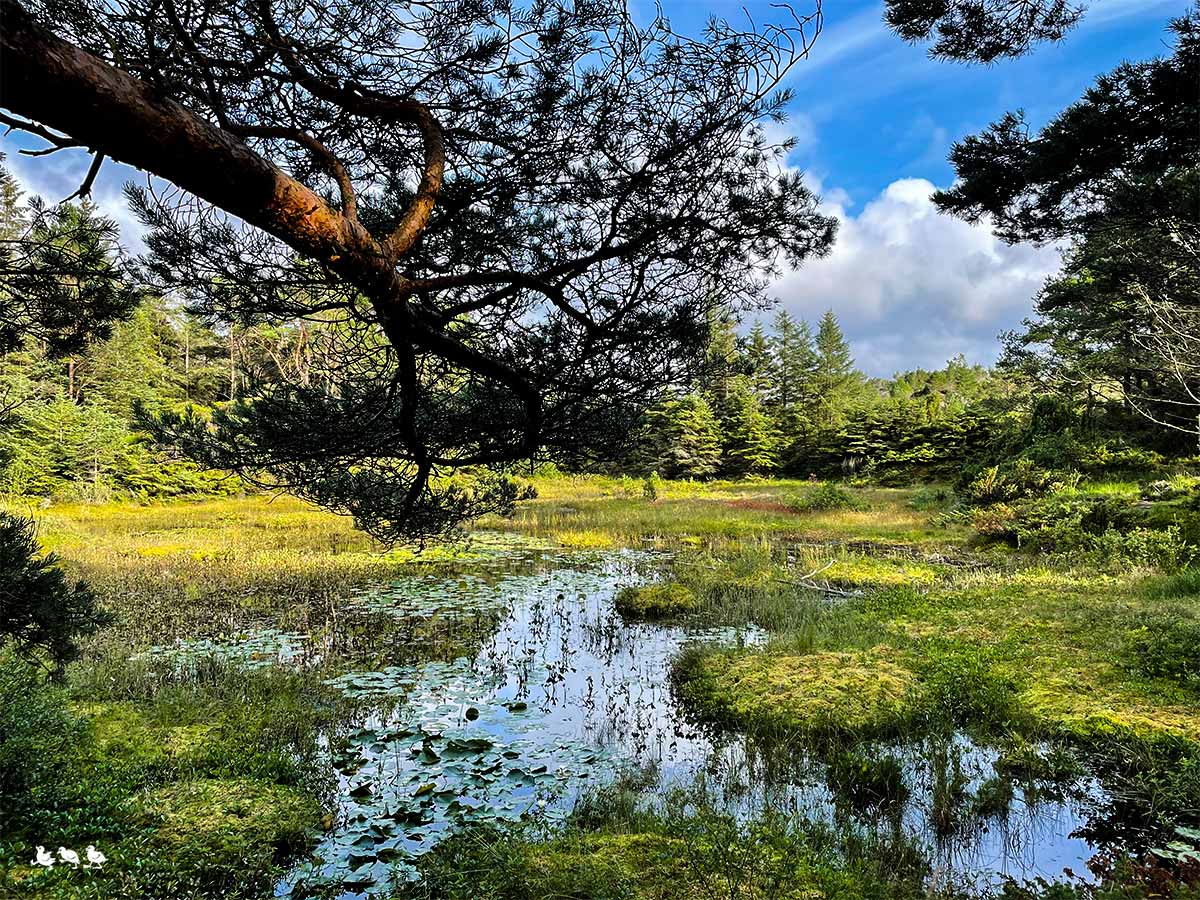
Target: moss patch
861	692
587	539
231	822
655	601
880	572
124	732
650	866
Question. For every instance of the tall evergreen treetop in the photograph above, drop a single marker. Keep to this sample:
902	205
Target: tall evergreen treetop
833	358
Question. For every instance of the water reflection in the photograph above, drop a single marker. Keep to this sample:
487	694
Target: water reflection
509	689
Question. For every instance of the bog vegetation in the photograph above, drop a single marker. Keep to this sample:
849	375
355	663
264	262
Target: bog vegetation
721	615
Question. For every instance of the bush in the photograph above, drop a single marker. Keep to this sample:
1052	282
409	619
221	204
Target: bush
825	498
1167	649
964	686
37	733
40	610
998	521
1165	549
1020	479
930	498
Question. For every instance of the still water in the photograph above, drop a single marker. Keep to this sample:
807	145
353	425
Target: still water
558	695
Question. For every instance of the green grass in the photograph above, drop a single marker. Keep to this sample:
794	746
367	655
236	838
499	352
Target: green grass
695	513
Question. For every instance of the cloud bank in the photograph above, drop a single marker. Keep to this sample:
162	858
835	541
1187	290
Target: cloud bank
913	287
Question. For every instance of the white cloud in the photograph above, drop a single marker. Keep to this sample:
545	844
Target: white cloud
913	287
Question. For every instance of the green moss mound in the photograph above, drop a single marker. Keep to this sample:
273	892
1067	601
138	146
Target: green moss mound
122	731
862	692
655	601
231	824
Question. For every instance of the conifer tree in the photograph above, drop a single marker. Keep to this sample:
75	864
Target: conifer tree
723	363
750	442
835	375
761	362
795	370
682	438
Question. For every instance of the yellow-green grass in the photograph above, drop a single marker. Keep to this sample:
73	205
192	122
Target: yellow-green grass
687	512
655	601
1025	644
185	569
1039	649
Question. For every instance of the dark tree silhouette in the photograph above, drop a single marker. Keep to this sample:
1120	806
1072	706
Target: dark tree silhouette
518	219
62	279
1126	154
982	31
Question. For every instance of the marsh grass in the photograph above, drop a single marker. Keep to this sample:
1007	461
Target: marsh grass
681	848
168	759
694	513
881	623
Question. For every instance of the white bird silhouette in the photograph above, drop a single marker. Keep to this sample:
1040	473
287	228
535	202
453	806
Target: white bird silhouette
95	858
68	856
44	858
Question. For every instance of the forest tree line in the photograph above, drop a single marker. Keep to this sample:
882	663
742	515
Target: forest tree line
784	398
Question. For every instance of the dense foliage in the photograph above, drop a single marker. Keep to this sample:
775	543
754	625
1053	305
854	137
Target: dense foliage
791	401
538	205
41	610
1117	175
982	30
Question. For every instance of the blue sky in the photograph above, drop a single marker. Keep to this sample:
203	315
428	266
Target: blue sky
875	119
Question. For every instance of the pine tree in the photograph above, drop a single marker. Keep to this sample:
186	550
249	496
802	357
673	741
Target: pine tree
760	360
750	441
723	363
137	363
12	211
796	361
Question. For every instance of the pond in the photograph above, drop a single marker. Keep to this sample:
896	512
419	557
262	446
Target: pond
555	695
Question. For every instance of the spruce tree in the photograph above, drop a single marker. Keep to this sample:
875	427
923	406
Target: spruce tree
723	363
682	438
795	369
760	359
835	375
750	441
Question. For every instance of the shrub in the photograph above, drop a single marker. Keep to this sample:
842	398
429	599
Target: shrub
961	685
1168	648
650	486
1020	479
40	610
37	733
996	521
930	498
1164	549
825	498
